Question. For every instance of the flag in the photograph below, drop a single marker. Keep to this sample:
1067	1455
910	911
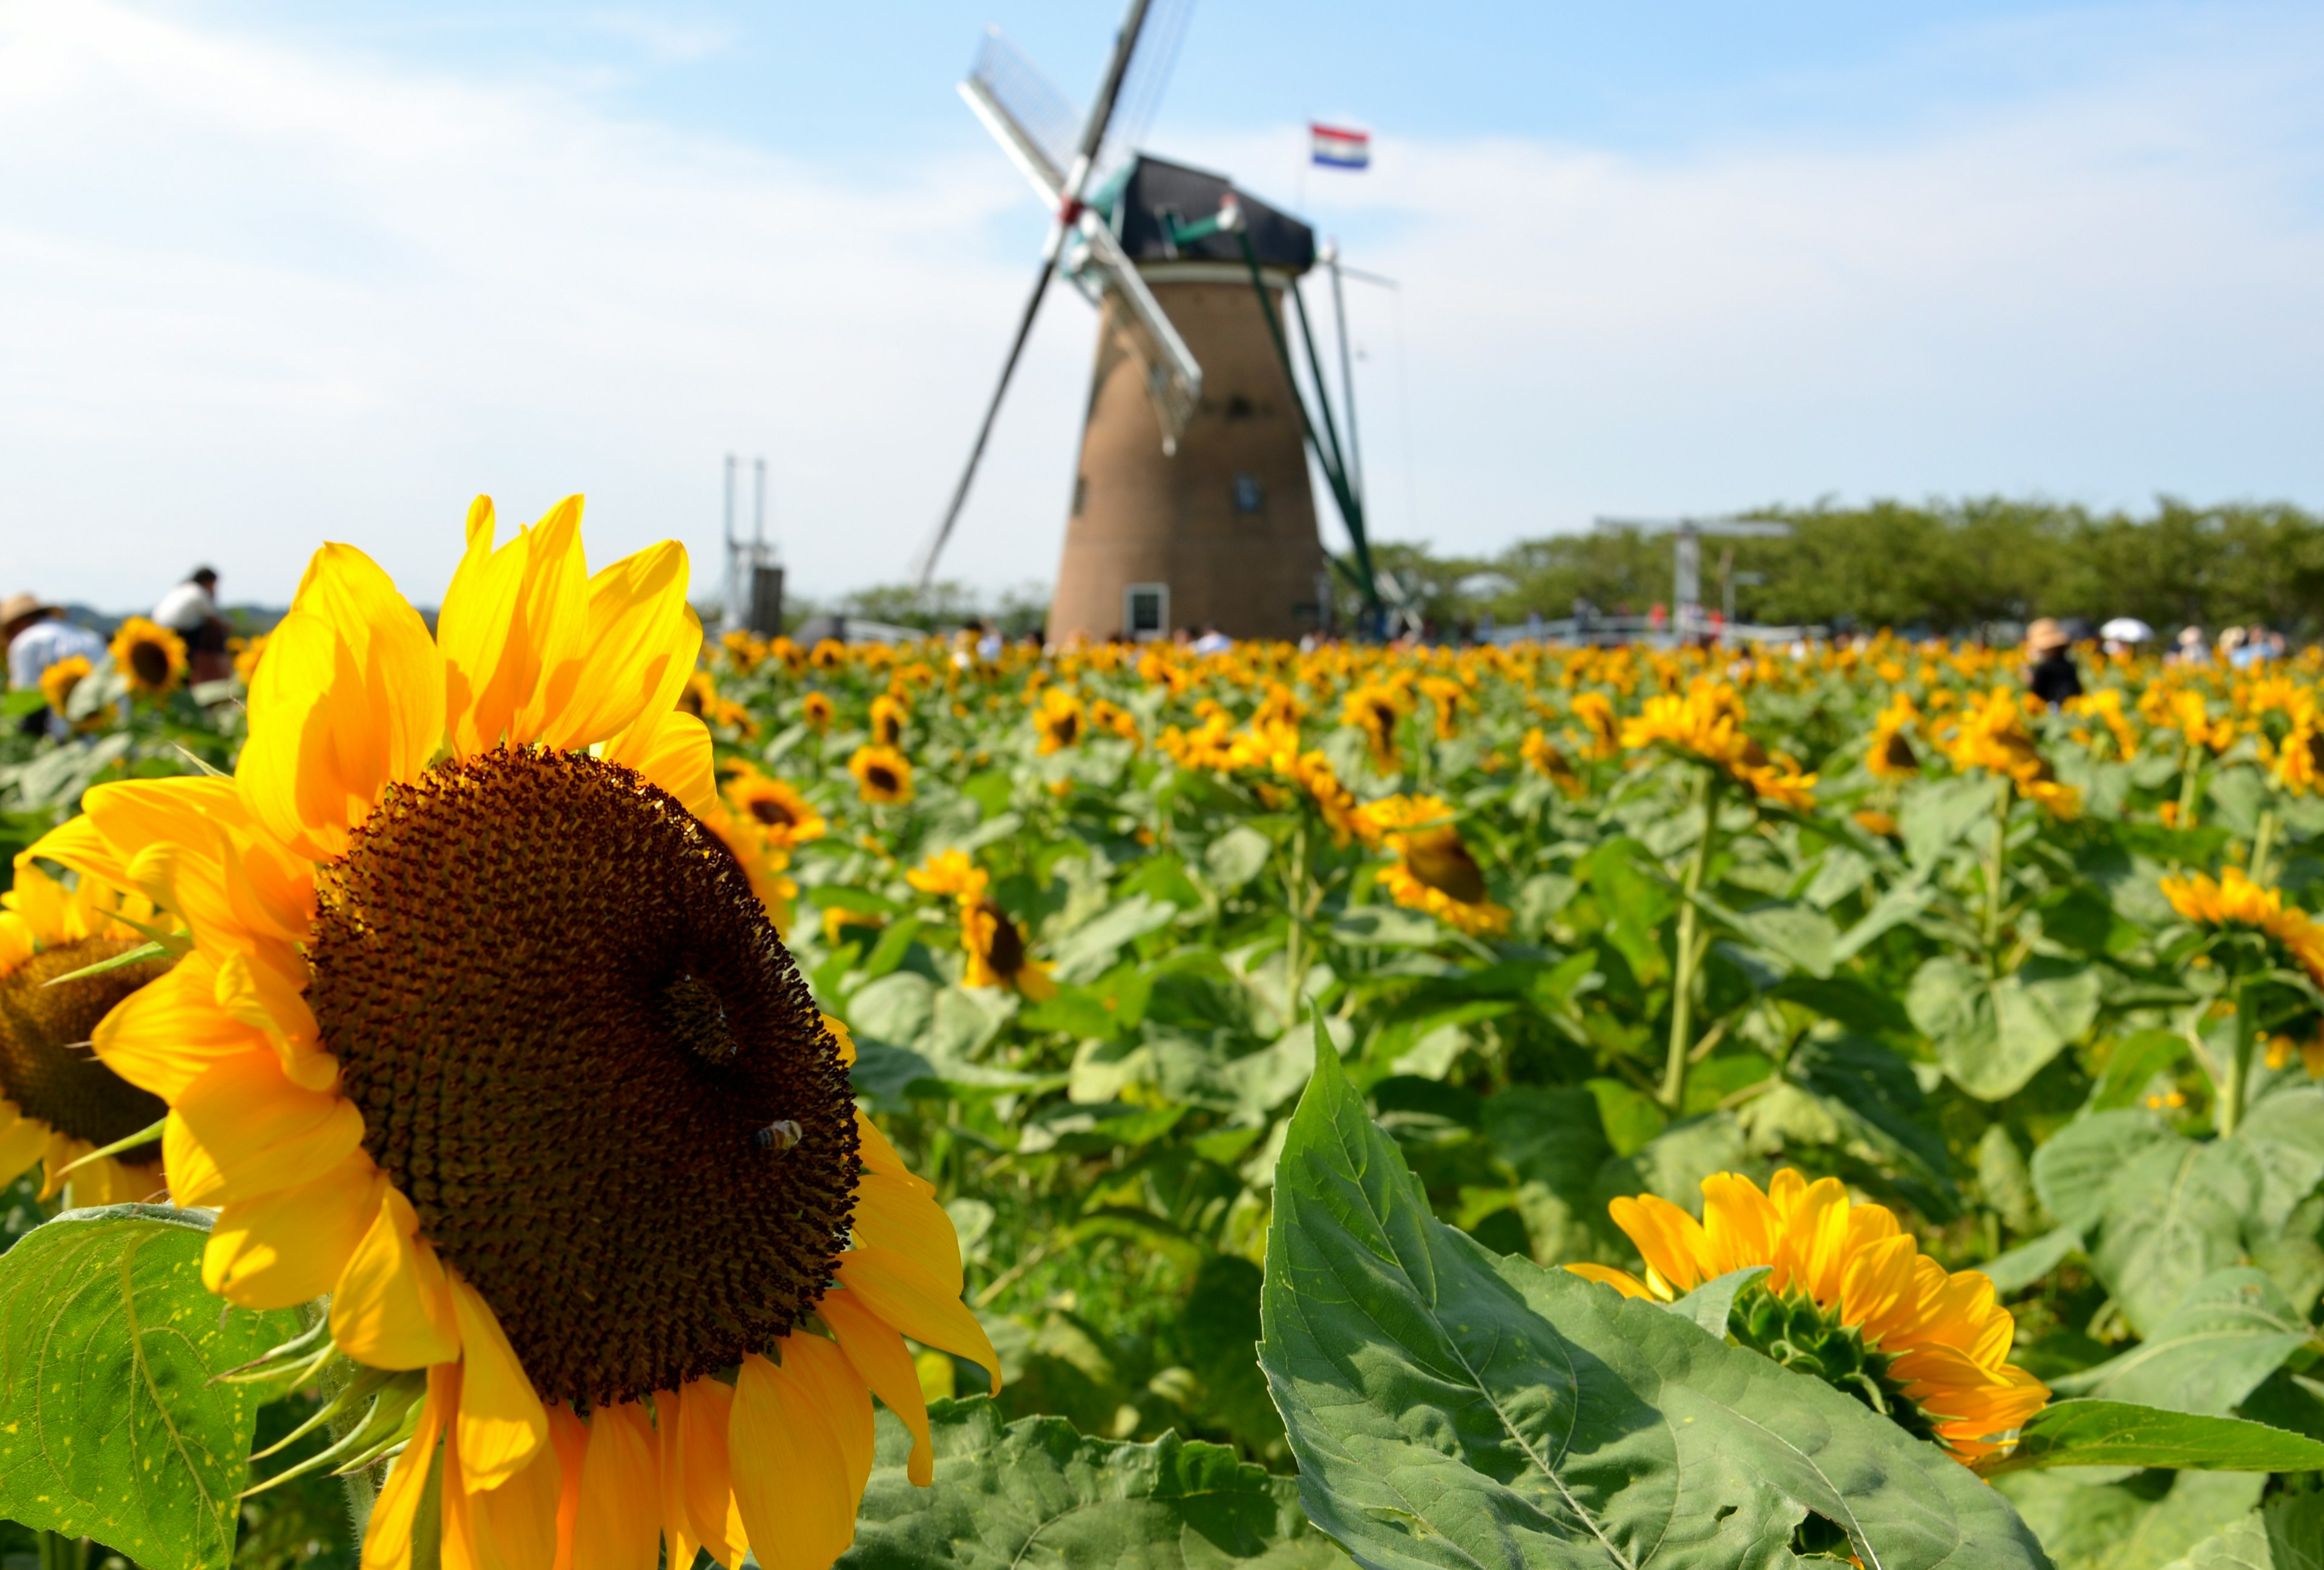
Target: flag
1338	149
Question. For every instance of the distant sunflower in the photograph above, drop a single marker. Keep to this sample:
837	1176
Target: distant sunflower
1113	717
484	1034
247	657
151	658
887	717
882	774
1376	710
1594	710
57	1101
787	818
1059	720
828	654
2235	900
1434	871
993	945
700	697
58	681
1890	755
1543	757
816	711
1848	1298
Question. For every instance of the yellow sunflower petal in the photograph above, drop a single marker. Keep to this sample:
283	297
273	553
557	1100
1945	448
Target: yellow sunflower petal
674	752
643	640
620	1525
705	1470
392	1306
1668	1239
798	1486
501	1424
515	1524
1622	1282
890	1214
904	1293
349	698
879	1156
282	1248
880	1355
569	1436
20	1144
241	1129
387	1537
1738	1223
481	689
680	1543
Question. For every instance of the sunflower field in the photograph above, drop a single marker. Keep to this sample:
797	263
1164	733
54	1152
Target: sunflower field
1514	1106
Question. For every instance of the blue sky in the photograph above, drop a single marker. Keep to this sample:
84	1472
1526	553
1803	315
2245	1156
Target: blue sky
281	272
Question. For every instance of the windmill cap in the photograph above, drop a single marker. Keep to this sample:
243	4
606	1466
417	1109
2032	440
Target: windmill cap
16	607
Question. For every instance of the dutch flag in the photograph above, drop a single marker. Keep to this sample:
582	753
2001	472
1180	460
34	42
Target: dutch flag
1339	149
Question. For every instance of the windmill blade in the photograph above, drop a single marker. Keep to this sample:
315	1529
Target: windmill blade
1173	379
1149	72
1069	211
1031	119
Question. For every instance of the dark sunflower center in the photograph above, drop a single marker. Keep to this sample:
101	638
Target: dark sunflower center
882	777
149	662
1008	955
47	1067
1899	752
1438	859
566	1021
1066	727
773	813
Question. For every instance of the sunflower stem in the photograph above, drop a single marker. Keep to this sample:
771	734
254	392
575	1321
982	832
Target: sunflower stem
1996	869
58	1551
2238	1080
2190	785
2263	845
1294	974
1686	959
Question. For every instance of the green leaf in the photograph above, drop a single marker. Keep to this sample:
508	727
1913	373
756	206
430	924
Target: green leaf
109	1425
2173	1215
1630	1116
2136	1060
1710	1305
2075	1169
1449	1407
2230	1333
2093	1433
1934	813
2105	1521
1675	1162
1036	1493
2287	1533
1088	952
1236	857
1994	1036
2028	1262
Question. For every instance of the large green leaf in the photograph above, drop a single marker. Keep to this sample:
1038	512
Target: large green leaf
2106	1521
2090	1433
2287	1533
1036	1493
2074	1170
1447	1407
1994	1036
2227	1335
110	1426
2173	1215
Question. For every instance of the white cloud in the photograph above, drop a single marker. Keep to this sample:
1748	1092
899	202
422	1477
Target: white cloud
257	297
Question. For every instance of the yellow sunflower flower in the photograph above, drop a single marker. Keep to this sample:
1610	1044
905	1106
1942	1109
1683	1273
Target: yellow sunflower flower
785	817
816	709
1059	720
883	774
1108	716
2235	900
57	1102
1890	755
994	947
1541	755
482	1035
1434	871
1594	710
1376	709
888	717
1849	1297
58	681
151	658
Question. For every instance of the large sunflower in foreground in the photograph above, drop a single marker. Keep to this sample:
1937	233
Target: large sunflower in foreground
486	1035
1849	1297
57	1104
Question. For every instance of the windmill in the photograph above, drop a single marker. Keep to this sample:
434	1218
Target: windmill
1191	501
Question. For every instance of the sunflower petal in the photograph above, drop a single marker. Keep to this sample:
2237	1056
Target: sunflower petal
387	1537
1622	1282
282	1248
515	1524
620	1525
705	1470
241	1129
674	752
643	641
880	1357
799	1487
502	1425
903	1292
890	1215
393	1306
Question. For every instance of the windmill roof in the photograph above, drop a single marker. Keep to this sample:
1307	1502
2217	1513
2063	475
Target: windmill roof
1151	194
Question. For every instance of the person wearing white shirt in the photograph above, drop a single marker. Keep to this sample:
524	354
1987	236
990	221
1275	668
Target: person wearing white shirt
191	611
37	638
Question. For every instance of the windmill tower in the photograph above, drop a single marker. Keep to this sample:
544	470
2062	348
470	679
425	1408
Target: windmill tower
1190	502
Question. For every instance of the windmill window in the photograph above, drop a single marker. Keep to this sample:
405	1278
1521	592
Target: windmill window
1249	495
1146	610
1240	408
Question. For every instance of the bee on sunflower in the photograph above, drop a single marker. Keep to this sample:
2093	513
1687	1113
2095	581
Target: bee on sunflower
505	820
57	1104
1057	719
1848	1298
992	941
151	658
1434	871
883	774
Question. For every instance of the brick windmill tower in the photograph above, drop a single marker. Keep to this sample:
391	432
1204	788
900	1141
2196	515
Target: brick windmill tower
1190	504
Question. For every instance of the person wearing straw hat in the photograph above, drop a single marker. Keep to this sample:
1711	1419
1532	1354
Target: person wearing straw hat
38	637
2050	668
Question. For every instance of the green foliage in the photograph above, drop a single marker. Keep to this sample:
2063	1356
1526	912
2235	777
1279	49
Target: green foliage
1449	1407
110	1426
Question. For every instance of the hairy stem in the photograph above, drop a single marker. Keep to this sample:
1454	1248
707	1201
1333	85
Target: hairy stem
2238	1080
1689	955
2263	845
1295	905
1996	871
